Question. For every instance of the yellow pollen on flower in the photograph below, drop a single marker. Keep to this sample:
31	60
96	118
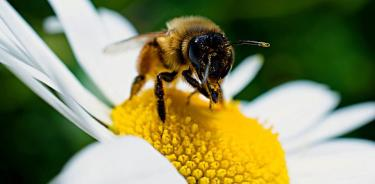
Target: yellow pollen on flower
205	146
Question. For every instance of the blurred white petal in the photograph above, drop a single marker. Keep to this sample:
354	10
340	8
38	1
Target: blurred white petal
40	55
335	146
342	161
122	160
242	75
117	27
52	25
293	107
88	36
184	86
339	122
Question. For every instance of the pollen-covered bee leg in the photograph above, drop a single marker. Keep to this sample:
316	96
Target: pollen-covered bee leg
194	83
159	91
137	85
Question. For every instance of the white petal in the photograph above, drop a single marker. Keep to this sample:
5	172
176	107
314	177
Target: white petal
10	48
87	121
116	26
339	122
99	133
12	45
343	161
292	108
242	75
184	86
43	57
10	61
335	146
52	25
88	36
123	160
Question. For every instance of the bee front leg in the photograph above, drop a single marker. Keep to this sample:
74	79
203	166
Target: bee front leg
159	91
194	83
137	85
221	97
191	95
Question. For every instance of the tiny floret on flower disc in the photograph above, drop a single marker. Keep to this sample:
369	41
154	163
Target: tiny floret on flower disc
205	146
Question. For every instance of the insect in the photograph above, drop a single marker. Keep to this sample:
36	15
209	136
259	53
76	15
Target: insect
193	48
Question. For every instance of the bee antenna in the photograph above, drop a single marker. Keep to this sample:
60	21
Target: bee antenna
249	42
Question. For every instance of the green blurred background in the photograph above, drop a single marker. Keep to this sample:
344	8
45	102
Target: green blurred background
328	41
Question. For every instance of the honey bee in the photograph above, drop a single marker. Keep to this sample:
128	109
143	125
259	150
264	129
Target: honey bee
193	48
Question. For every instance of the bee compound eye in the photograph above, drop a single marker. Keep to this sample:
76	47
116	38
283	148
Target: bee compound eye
195	51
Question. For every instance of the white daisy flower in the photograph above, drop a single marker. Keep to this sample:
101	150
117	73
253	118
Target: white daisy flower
194	145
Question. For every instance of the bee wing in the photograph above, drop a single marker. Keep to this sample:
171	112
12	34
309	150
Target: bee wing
132	43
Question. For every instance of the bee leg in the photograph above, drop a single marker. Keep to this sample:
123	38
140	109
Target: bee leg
191	95
159	91
217	95
137	85
194	83
220	100
221	97
210	106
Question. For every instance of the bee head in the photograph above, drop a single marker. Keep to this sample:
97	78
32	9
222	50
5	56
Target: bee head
211	56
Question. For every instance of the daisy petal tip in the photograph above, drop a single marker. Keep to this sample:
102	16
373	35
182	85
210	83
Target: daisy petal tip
52	25
122	160
88	40
242	75
119	27
258	58
361	113
294	106
318	88
351	160
337	123
369	107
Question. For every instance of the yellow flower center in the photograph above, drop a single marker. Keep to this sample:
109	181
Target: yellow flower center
205	146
